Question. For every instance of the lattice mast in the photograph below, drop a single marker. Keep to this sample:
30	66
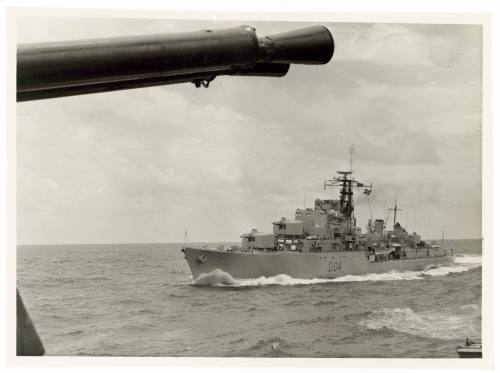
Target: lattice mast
347	183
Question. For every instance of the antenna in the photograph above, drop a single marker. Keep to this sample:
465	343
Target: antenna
369	205
414	212
386	214
351	153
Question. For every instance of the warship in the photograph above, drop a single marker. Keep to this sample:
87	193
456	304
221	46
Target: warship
322	242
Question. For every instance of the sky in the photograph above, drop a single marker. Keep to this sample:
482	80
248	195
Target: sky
144	164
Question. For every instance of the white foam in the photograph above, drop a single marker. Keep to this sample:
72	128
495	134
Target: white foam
469	259
443	271
407	275
468	307
387	276
432	324
216	277
221	278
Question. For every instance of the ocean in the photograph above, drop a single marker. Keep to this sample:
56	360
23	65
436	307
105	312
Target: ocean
140	300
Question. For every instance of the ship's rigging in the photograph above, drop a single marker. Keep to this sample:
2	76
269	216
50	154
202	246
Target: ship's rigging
347	183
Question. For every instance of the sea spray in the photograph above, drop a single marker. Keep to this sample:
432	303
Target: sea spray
220	278
224	279
437	324
471	260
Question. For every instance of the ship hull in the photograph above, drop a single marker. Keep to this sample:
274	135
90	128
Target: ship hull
299	265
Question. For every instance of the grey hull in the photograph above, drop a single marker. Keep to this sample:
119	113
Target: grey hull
299	265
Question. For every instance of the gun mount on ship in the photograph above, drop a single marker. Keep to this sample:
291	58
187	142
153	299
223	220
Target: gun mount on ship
57	69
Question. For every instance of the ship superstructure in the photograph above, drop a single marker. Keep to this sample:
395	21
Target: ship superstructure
329	226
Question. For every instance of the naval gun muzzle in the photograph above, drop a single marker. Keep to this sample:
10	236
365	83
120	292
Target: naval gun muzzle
68	68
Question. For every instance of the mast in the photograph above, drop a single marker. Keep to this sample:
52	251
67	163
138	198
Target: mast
414	212
347	183
395	209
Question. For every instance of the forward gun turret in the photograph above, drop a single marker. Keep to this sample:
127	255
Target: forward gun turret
69	68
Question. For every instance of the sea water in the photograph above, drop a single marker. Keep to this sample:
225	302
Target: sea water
140	300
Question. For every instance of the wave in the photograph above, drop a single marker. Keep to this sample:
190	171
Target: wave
325	303
73	332
220	278
174	295
71	280
271	347
475	260
224	279
469	307
143	311
295	302
432	324
131	301
99	278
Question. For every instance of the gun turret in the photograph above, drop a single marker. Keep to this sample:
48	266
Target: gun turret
69	68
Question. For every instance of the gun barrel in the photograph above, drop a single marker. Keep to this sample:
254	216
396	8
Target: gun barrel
260	69
87	66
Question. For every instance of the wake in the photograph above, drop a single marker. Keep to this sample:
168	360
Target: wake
219	278
446	325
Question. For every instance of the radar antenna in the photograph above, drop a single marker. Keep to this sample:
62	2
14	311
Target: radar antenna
347	183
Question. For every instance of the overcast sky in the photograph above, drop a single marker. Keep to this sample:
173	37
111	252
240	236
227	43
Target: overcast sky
141	165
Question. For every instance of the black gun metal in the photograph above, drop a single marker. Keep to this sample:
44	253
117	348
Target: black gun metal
57	69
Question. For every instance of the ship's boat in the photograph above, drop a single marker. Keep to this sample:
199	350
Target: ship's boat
322	242
470	350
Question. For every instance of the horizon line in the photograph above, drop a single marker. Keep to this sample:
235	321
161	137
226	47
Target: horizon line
181	242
